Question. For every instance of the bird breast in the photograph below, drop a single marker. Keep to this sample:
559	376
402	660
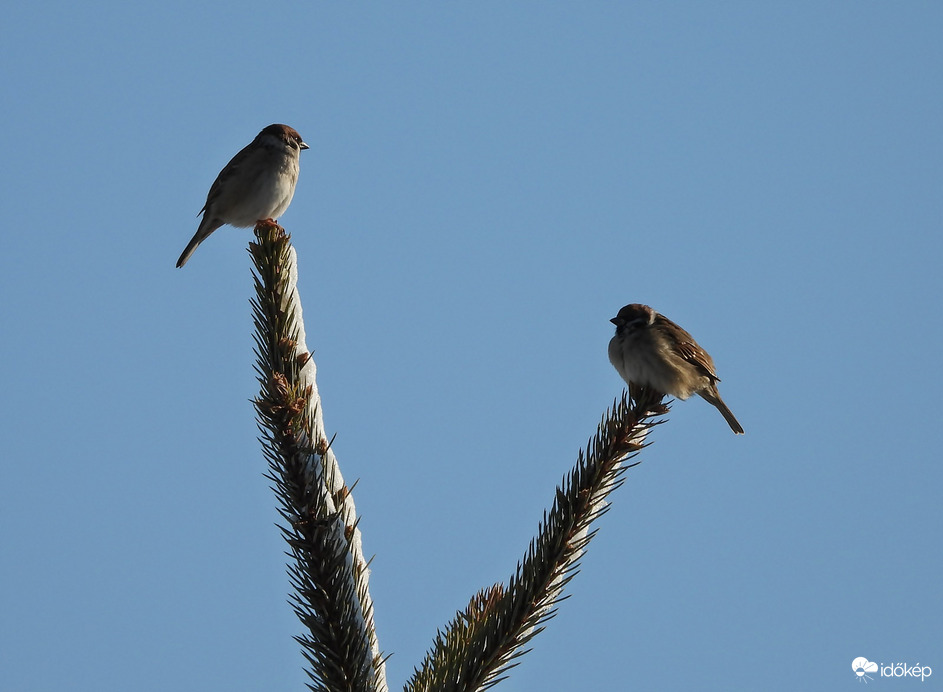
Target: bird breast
267	193
644	359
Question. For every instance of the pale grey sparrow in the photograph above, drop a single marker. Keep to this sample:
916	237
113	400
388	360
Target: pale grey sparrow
652	351
256	185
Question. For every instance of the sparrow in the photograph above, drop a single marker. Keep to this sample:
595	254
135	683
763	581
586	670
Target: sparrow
256	185
650	350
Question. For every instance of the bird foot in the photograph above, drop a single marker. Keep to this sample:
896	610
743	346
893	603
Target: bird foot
267	223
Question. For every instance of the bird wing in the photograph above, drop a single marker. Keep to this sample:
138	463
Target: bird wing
688	349
229	170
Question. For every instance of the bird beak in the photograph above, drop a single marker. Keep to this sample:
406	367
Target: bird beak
617	321
303	145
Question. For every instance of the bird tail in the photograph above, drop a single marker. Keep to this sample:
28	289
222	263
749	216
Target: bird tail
713	398
202	233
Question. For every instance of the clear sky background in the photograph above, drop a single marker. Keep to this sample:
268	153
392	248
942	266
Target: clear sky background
487	184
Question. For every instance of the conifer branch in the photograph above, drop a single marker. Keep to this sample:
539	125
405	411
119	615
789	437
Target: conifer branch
328	570
482	643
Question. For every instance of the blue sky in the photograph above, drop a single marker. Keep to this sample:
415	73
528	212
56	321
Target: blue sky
487	184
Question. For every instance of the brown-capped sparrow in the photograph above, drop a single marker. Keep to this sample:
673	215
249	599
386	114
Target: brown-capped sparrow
652	351
256	185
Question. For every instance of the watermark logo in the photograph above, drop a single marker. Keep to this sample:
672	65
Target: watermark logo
864	668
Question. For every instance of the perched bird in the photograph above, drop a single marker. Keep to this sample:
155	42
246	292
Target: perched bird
256	185
652	351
